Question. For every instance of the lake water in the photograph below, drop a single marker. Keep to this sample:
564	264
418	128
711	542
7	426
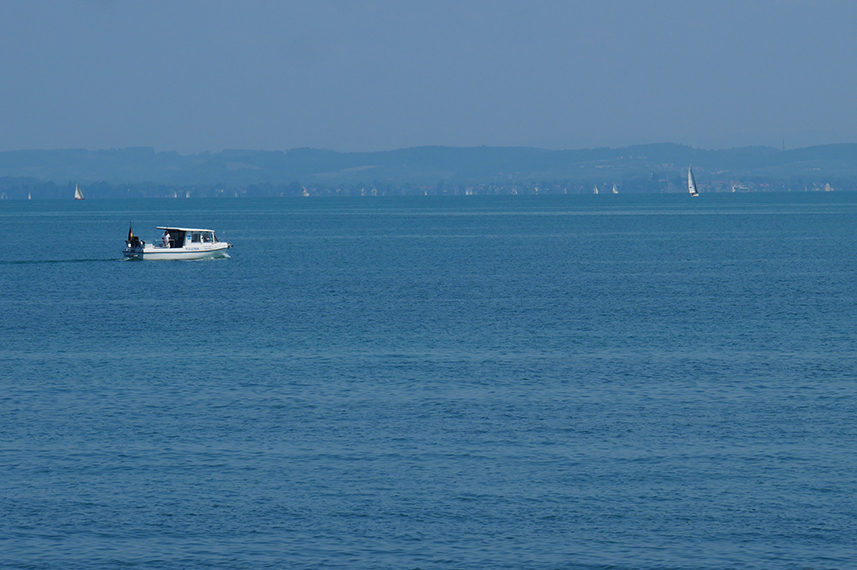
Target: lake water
557	382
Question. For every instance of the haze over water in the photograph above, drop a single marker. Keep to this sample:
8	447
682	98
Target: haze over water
453	382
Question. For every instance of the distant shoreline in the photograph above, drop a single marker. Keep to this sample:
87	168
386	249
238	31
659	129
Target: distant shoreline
657	168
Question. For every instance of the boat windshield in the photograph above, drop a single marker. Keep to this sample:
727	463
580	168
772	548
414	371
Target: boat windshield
202	237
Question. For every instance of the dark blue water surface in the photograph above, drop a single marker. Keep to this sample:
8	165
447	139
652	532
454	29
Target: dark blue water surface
466	382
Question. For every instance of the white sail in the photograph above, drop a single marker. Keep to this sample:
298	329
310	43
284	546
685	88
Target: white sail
595	190
615	191
78	195
691	183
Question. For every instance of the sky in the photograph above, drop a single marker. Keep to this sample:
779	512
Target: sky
367	75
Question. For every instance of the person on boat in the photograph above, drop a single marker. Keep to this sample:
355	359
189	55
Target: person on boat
166	238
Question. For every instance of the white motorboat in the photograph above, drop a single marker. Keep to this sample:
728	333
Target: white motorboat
177	243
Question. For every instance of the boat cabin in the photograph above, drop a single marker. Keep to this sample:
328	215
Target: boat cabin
186	237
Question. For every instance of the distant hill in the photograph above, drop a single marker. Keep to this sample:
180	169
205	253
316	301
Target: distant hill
642	168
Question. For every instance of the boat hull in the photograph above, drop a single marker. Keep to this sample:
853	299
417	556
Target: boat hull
166	253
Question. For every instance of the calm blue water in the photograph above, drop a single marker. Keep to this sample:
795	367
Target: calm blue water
553	382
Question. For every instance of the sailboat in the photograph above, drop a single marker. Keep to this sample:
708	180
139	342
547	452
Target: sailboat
615	191
78	195
595	190
691	183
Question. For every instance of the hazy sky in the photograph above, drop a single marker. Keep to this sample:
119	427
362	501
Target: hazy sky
358	75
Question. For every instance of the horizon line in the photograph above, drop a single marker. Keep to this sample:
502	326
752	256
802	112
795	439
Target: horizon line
493	147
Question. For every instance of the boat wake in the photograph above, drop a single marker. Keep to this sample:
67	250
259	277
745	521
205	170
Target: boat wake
51	261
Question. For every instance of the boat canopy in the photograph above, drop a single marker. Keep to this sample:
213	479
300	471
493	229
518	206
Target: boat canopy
183	229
